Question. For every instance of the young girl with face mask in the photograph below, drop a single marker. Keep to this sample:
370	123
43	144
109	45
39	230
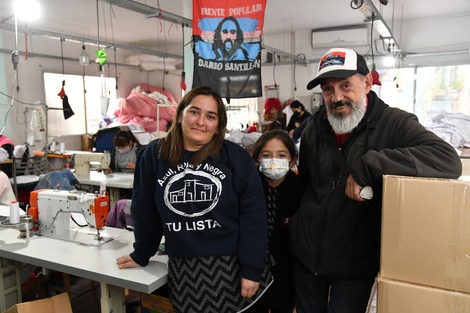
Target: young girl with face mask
124	156
275	154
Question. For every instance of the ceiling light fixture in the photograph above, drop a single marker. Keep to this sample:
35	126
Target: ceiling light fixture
84	58
28	10
371	13
388	60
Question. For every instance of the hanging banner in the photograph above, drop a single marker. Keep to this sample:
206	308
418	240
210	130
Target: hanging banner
227	46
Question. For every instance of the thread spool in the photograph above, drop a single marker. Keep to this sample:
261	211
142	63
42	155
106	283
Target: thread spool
14	212
53	146
62	147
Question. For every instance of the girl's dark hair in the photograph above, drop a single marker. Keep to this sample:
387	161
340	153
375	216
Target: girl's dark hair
282	135
297	104
123	137
172	145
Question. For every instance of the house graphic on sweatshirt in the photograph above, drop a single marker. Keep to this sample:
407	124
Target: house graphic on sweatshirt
193	191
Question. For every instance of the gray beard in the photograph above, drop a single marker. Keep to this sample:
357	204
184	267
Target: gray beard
345	124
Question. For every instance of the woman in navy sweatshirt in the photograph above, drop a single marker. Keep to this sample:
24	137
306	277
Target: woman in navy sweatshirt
204	195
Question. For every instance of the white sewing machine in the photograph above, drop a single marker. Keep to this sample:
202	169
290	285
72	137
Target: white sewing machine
56	208
82	161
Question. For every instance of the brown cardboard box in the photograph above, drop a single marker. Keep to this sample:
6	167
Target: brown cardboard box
55	304
426	232
399	297
465	167
155	303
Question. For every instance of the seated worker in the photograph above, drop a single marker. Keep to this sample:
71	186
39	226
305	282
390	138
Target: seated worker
8	145
298	117
124	156
6	192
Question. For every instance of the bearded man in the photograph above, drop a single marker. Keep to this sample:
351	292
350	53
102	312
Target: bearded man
228	40
350	143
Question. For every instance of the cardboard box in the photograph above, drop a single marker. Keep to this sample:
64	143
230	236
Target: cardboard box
399	297
155	304
55	304
465	167
426	232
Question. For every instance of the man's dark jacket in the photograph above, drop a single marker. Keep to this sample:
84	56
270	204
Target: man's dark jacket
334	236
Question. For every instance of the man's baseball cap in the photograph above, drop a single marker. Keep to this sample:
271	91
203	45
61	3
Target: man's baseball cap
339	63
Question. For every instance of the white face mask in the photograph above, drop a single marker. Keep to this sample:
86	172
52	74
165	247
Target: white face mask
274	168
124	150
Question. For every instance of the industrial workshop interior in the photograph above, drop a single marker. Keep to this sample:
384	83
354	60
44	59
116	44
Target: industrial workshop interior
75	75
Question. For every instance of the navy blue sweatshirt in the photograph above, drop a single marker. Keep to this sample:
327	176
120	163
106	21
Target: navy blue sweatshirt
217	208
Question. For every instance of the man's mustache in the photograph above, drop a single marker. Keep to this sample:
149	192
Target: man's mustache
338	104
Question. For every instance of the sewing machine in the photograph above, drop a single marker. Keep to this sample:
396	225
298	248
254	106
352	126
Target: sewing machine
82	161
53	210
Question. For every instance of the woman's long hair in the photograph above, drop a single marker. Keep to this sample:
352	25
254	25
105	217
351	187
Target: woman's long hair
172	147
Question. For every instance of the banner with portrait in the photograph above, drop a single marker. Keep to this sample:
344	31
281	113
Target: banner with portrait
227	46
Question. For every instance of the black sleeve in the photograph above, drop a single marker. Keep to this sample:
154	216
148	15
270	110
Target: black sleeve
292	120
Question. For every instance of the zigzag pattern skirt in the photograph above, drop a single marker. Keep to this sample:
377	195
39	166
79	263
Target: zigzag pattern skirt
209	285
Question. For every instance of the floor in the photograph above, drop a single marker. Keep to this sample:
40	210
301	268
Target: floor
85	297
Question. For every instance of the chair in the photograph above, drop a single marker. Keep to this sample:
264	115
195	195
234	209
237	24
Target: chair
26	171
120	215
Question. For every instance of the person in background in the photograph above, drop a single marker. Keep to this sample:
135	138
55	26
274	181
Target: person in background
124	156
275	154
299	130
6	192
202	193
298	117
353	140
9	147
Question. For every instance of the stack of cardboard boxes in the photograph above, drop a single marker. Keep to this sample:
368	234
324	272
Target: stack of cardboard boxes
425	258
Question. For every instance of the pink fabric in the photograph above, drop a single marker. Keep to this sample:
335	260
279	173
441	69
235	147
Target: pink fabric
5	140
140	109
149	88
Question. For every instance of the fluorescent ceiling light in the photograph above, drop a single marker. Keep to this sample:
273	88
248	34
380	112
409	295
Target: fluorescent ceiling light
372	14
28	10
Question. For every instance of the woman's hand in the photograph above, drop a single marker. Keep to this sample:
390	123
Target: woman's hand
130	165
249	288
126	262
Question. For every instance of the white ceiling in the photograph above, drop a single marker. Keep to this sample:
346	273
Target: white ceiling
121	26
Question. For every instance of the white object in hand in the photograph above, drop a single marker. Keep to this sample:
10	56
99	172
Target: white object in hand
366	193
14	212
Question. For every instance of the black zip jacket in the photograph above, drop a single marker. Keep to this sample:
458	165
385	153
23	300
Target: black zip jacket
334	236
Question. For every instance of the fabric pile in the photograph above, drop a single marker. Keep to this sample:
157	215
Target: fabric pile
454	128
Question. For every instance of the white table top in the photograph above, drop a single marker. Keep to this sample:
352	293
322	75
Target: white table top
92	262
116	180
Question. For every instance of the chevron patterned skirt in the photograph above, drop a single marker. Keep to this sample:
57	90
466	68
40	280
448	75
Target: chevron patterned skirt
208	285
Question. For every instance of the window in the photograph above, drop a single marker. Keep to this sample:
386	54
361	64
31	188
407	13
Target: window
241	112
436	89
86	106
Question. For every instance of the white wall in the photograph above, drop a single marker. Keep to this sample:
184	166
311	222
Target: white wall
30	79
420	36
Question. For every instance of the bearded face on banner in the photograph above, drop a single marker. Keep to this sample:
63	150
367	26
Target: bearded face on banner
228	39
227	46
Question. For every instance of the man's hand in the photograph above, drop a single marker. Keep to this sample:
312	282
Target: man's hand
353	190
